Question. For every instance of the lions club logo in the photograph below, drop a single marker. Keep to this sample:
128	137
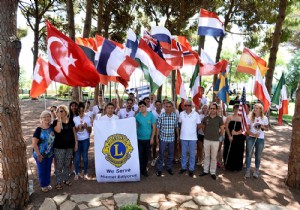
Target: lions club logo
117	149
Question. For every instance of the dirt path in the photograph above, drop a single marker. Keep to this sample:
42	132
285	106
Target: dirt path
269	188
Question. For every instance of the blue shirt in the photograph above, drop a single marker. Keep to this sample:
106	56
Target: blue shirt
46	140
166	125
144	125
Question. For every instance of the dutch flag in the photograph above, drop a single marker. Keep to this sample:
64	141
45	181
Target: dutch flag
210	24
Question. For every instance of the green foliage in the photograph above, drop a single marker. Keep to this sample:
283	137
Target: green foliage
22	32
292	75
24	82
116	18
130	207
63	89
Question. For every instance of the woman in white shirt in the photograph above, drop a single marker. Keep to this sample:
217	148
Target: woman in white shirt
258	124
83	130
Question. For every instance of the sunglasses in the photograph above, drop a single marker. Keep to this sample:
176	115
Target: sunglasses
188	105
61	111
51	110
213	108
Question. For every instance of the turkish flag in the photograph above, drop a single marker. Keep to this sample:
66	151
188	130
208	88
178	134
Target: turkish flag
41	79
67	62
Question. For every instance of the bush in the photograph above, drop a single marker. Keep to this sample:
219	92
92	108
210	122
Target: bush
130	207
63	89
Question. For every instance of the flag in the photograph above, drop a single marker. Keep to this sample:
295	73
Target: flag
41	79
189	58
143	91
67	62
180	90
260	91
153	43
163	35
88	45
184	42
113	62
249	62
222	88
173	58
155	69
242	112
280	98
210	24
209	67
195	87
131	44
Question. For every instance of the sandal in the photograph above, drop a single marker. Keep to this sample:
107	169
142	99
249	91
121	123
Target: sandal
44	189
68	183
58	187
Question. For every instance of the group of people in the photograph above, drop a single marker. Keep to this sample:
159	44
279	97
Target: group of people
189	134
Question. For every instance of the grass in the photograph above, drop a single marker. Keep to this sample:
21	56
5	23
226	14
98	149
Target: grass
131	207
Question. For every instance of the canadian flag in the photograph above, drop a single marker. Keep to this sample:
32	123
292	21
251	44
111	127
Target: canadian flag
260	90
41	79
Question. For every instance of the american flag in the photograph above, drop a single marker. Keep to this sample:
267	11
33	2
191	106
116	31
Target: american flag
242	111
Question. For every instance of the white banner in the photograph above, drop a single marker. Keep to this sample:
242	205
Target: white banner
116	150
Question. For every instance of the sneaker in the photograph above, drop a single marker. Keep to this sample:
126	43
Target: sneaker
158	173
76	177
86	177
256	174
203	174
170	171
153	162
182	171
248	173
213	176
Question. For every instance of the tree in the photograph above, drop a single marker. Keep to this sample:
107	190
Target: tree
13	161
293	177
34	12
292	75
275	43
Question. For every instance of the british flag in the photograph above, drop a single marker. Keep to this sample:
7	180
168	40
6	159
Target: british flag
242	112
153	43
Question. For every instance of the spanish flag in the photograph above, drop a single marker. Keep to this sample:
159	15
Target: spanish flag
249	62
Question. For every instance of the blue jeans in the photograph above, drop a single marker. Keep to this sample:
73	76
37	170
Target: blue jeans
188	145
258	147
83	148
162	147
44	170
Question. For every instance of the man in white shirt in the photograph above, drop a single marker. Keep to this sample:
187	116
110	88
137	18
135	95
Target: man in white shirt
99	108
109	110
189	124
203	100
126	112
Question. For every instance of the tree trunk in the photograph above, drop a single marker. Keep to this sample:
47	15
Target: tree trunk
293	177
36	36
13	164
88	19
99	28
275	43
71	27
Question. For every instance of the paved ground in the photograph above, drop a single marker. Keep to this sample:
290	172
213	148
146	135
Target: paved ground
268	189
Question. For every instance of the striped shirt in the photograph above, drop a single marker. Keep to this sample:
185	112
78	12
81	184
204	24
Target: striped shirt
166	125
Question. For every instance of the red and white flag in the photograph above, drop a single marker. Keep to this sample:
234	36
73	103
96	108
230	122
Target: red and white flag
180	90
173	58
68	64
260	90
41	79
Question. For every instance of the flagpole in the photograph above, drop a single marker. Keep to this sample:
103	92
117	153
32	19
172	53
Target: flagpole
45	102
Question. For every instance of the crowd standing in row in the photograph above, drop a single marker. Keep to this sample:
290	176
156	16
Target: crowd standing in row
191	135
